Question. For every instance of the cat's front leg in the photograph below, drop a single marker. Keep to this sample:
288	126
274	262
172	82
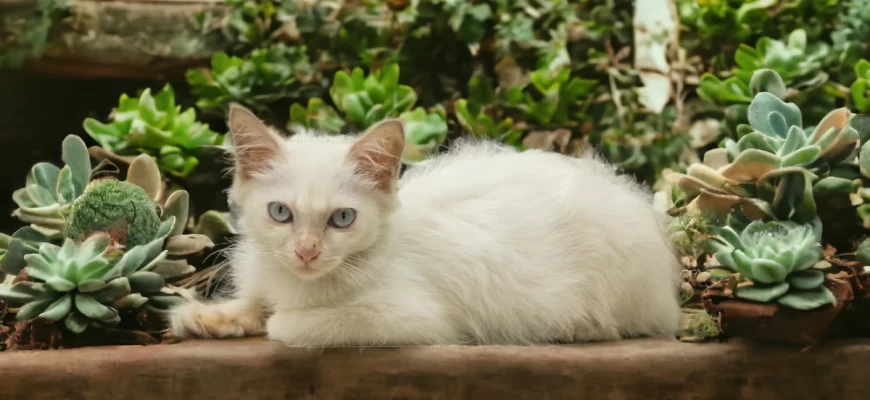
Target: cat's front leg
245	316
358	326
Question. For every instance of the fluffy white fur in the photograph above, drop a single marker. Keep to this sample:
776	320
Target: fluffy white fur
483	245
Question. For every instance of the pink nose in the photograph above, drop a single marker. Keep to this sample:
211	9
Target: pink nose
308	255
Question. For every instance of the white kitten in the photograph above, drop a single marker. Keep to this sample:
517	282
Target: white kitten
483	245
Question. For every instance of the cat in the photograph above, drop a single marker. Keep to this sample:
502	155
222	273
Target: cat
481	245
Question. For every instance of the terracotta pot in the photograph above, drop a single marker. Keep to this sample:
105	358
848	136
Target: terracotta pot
775	322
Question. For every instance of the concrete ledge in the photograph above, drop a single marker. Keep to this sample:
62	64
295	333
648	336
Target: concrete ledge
258	369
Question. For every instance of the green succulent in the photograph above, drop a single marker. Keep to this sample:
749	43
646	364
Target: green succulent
861	87
156	126
263	77
772	169
798	64
49	191
87	284
424	133
365	100
473	114
316	116
779	258
556	98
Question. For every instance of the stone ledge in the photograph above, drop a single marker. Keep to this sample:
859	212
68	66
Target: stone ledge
258	369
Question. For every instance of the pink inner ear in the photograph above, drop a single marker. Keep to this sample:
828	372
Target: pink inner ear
254	145
378	153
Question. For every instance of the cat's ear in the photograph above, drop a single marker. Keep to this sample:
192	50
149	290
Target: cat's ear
254	144
378	152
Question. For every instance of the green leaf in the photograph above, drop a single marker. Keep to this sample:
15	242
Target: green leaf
763	104
762	293
38	266
91	285
806	279
75	155
57	310
768	271
114	290
33	309
766	79
59	284
177	206
93	309
804	156
808	299
146	282
76	322
65	186
45	174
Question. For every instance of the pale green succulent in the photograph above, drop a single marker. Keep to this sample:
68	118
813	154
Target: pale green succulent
779	258
87	284
774	167
49	192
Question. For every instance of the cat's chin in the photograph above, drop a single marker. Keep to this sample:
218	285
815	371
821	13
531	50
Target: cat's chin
310	272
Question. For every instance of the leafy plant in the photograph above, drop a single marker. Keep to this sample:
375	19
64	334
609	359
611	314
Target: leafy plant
474	116
556	97
156	126
364	100
265	76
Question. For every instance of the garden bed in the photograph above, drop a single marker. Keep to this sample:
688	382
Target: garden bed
259	369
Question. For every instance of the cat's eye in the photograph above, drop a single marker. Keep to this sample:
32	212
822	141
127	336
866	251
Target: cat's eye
342	218
280	212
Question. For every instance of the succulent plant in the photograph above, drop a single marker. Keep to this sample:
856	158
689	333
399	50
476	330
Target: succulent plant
87	284
474	116
49	192
316	116
366	100
782	260
263	77
156	126
798	64
557	96
861	87
771	170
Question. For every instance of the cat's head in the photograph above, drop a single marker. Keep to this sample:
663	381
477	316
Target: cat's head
311	201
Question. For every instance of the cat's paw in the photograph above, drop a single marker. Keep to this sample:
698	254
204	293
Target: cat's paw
223	320
279	327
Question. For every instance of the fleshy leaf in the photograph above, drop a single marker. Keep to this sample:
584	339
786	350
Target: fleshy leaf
808	299
762	293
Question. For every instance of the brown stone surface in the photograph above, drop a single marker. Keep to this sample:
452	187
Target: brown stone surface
258	369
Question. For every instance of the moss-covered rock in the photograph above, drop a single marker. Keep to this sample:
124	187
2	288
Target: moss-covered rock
120	208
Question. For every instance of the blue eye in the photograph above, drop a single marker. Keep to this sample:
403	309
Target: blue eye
280	212
342	218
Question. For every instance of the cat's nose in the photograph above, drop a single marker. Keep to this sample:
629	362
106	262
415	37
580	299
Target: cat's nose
308	255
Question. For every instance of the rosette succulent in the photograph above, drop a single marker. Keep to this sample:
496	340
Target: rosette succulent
49	192
780	259
156	126
772	169
87	284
